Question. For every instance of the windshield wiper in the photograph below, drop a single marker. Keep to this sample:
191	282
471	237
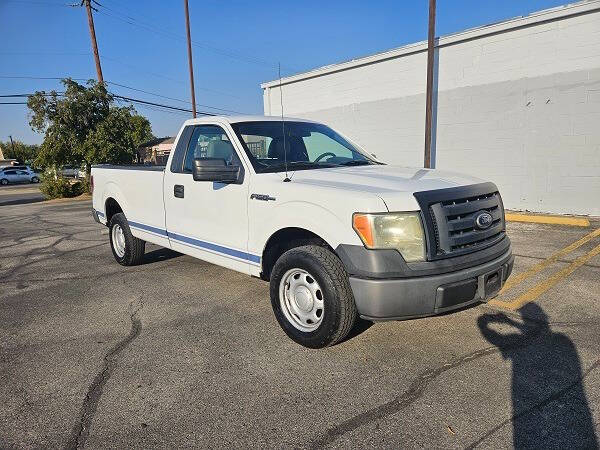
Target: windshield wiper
309	164
356	162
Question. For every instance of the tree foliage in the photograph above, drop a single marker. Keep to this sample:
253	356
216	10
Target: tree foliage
24	153
83	126
142	130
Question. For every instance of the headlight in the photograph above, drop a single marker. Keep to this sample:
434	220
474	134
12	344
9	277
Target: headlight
402	231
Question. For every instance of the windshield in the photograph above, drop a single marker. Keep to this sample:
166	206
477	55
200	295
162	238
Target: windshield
307	146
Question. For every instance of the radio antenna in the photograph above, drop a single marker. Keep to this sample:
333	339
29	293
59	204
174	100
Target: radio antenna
286	179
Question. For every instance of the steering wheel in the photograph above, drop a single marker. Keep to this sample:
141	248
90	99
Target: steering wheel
323	155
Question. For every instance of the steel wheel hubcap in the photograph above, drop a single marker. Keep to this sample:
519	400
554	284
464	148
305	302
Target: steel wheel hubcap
301	300
118	239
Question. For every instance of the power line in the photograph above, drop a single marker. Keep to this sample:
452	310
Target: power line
119	97
40	78
138	69
172	98
126	87
158	104
110	12
33	2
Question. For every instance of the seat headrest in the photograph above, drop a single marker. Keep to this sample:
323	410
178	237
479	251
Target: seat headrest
296	150
220	149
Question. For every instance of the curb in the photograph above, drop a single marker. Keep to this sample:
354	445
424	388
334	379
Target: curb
68	199
547	219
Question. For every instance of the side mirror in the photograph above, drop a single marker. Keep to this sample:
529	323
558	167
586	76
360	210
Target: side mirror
215	169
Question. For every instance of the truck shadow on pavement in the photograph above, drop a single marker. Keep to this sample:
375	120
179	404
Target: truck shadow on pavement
161	254
549	404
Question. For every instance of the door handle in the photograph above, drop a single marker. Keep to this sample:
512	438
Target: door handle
178	190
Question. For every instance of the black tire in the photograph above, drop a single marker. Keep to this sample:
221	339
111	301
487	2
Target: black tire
339	315
134	247
3	181
35	180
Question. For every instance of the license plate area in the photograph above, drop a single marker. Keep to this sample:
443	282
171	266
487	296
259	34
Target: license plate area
489	284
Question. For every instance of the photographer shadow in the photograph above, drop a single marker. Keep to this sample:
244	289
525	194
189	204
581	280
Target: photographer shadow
549	404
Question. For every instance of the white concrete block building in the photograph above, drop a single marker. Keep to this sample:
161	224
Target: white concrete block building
517	102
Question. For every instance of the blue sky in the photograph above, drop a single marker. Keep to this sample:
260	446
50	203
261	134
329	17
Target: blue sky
238	45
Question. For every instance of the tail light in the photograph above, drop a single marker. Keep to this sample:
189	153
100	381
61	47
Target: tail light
91	184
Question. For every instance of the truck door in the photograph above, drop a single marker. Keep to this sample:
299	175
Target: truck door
208	220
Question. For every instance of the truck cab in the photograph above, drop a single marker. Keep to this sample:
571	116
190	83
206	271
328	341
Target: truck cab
337	233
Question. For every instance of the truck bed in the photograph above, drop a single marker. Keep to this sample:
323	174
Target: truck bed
129	167
138	190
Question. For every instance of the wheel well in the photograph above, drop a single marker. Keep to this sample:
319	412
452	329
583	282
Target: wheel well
284	240
111	208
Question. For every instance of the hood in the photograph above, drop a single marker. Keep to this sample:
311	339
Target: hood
395	185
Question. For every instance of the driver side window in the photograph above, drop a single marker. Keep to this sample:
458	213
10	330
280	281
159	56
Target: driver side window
209	141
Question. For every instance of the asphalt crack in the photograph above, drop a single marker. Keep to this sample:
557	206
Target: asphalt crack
81	430
412	394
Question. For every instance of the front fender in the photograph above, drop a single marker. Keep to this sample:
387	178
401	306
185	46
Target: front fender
301	214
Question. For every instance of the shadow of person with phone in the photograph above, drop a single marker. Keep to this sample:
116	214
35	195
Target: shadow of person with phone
550	408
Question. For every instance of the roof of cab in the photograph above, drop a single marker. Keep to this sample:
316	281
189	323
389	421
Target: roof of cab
236	119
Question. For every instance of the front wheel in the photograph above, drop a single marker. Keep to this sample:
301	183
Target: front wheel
35	180
311	296
3	181
126	248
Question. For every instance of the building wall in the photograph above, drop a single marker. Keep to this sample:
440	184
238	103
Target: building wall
517	103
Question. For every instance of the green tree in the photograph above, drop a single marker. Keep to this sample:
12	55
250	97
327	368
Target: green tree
142	130
83	126
24	153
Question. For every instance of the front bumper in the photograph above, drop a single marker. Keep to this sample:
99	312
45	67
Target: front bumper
405	298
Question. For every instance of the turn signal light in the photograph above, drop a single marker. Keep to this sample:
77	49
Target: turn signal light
362	225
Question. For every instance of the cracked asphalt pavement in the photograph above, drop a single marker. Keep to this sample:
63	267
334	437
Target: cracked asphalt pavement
178	352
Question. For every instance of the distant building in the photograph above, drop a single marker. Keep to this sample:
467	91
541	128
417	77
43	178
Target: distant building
5	162
156	151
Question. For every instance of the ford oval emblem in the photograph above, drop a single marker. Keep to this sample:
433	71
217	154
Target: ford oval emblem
483	220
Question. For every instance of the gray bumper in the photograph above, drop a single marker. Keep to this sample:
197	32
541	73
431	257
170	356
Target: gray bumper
405	298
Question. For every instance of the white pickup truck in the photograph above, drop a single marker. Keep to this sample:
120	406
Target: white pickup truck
338	234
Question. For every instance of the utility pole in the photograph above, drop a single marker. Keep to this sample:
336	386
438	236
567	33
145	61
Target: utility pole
429	97
89	8
12	144
189	48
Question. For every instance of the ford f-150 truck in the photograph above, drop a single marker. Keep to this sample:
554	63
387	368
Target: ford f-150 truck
337	233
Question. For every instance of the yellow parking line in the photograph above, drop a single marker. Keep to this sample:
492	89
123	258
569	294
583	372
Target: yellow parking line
555	220
516	279
543	286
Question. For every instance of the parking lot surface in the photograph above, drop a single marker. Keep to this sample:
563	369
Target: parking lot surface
178	352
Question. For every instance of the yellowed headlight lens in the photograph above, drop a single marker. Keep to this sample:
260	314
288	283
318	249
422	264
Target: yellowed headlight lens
402	231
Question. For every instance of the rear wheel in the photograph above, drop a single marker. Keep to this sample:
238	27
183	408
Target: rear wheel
311	296
3	181
127	249
35	180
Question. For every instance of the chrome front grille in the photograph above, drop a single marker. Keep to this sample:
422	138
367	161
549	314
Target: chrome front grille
450	219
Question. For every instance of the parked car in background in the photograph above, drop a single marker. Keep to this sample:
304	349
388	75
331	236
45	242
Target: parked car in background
17	167
69	171
11	176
